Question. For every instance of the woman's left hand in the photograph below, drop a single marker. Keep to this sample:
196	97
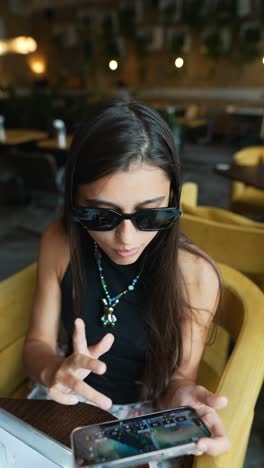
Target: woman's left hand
206	404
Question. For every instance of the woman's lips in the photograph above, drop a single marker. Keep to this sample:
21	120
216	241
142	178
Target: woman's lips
127	253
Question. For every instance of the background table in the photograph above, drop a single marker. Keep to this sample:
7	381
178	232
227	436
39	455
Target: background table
52	144
249	175
192	123
16	137
55	419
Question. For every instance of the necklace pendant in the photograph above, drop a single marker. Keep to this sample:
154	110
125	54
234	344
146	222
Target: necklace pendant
108	318
109	303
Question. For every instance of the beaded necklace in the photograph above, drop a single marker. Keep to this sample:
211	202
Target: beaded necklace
109	303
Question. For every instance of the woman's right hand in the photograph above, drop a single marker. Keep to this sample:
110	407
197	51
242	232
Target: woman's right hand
71	372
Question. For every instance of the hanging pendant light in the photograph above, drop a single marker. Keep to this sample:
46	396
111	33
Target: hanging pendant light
18	45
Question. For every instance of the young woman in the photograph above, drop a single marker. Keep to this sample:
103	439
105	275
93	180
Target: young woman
135	298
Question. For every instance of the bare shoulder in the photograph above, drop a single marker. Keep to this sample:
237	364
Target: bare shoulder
54	248
201	279
55	231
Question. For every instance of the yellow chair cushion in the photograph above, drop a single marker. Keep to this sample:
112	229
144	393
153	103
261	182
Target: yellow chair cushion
249	156
220	215
243	198
214	360
16	295
247	195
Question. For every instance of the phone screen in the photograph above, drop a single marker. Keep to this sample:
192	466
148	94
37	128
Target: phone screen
121	439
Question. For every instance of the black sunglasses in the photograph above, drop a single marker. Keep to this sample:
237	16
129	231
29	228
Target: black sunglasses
105	219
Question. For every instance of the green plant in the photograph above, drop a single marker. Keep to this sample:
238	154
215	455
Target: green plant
108	27
58	39
84	34
213	42
127	22
170	118
111	47
142	42
225	12
87	49
168	13
249	46
192	14
177	43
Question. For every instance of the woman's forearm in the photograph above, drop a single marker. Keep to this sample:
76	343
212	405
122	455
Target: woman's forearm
169	398
40	361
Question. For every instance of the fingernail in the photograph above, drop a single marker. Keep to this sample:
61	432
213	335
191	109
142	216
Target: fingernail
221	400
222	397
102	368
107	404
203	446
74	400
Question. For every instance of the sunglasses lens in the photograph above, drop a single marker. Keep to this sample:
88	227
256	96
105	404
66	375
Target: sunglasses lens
156	219
103	219
98	220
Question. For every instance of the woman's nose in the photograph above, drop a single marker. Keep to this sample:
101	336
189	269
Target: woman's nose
126	232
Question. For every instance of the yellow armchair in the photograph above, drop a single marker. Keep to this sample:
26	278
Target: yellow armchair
189	193
238	377
16	294
241	376
243	198
227	237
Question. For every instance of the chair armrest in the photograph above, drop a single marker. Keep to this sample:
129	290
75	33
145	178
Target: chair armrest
243	375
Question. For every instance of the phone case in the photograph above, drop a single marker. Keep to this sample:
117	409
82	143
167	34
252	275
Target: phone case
139	459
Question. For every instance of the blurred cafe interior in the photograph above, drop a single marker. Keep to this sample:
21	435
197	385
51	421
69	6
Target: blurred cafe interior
200	64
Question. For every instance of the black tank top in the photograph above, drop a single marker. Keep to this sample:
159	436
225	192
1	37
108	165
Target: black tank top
125	361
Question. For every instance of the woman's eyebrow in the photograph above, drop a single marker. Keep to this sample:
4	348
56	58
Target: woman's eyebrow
97	201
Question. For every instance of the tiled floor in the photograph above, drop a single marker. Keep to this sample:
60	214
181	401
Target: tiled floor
19	247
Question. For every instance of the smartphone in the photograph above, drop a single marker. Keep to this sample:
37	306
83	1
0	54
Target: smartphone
134	441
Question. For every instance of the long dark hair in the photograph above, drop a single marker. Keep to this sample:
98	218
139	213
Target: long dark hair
118	135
